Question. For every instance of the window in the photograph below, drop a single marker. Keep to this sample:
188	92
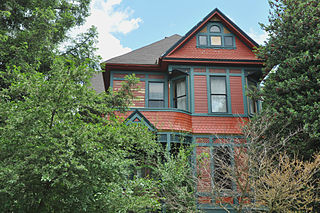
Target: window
252	104
215	35
203	40
156	94
222	167
218	94
180	96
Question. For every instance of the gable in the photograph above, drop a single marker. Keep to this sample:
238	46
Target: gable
137	118
214	38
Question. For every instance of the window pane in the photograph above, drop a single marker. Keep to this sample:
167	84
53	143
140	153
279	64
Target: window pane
158	104
228	41
215	29
181	87
222	163
181	103
203	40
218	103
215	40
156	91
218	85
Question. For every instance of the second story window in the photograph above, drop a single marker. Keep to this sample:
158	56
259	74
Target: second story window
156	94
218	94
180	96
252	104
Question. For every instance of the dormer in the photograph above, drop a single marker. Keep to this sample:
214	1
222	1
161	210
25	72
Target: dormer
215	35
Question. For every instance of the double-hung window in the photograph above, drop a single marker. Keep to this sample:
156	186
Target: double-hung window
180	96
156	94
218	94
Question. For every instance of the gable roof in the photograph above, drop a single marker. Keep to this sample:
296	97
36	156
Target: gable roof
138	118
149	54
225	20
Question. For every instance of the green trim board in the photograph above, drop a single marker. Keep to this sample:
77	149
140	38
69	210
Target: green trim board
138	118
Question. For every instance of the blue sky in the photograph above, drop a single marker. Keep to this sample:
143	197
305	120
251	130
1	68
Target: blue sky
125	25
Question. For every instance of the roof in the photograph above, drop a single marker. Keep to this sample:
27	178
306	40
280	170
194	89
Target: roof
149	54
249	41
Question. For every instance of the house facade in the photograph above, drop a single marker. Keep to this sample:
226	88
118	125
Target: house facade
192	89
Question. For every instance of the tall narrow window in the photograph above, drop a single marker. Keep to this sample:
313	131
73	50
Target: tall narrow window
252	104
222	167
180	97
218	94
156	94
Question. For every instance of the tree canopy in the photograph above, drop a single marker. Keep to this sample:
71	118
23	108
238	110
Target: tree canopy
291	90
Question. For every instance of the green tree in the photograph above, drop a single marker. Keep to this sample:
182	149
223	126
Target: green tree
62	149
32	30
291	91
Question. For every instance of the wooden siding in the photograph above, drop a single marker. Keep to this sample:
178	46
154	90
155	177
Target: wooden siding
236	95
200	94
190	50
139	95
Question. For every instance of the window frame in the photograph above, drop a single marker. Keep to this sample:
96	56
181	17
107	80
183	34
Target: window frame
221	34
163	92
174	94
212	94
250	100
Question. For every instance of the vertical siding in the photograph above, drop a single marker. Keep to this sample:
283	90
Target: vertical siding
200	94
236	95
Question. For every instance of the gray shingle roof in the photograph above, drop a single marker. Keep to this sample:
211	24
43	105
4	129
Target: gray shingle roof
149	54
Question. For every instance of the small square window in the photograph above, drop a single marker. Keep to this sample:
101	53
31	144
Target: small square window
203	40
228	41
215	40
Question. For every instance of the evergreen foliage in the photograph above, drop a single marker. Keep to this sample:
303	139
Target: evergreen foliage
291	90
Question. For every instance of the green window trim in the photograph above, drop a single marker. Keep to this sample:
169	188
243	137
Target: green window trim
173	93
156	102
218	94
213	38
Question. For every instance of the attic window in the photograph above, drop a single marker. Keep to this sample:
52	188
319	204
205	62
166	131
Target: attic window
215	35
215	29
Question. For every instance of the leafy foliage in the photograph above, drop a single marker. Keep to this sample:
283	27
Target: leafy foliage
292	90
58	153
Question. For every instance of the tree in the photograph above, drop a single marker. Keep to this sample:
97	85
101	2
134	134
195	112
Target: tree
62	148
32	30
267	179
292	90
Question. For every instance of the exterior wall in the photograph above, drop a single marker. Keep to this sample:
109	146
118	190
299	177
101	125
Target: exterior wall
236	90
200	94
190	50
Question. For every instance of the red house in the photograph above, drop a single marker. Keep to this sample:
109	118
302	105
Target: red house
193	87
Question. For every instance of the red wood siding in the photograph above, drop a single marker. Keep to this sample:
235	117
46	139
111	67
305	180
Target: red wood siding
200	94
116	84
236	95
138	92
216	125
119	75
139	95
156	77
178	121
190	50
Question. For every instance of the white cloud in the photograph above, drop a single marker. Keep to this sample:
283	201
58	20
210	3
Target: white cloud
259	38
109	20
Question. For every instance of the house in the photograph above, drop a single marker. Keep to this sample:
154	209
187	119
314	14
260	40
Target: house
193	90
